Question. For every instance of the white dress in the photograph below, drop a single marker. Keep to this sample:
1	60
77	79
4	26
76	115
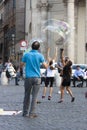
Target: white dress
4	79
54	73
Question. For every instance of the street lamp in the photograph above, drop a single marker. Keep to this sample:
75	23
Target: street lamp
13	44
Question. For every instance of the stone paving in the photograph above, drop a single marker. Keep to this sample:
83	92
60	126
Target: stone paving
51	114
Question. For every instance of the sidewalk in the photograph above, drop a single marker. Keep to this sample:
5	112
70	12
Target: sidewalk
51	114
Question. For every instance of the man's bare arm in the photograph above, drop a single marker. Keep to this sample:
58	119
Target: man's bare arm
45	65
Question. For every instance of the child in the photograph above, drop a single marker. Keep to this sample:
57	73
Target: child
50	75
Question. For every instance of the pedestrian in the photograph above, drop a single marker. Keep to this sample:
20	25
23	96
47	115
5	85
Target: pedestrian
21	72
50	75
66	80
49	80
6	64
1	67
12	72
17	77
4	79
78	76
86	76
32	60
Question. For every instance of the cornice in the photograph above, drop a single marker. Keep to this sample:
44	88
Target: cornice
76	1
44	5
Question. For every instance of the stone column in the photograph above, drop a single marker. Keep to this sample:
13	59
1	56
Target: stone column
43	7
43	19
34	18
27	20
86	36
86	21
70	16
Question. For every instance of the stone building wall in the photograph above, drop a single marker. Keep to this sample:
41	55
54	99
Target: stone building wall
74	13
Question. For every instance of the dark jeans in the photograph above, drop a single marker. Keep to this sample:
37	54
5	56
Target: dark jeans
31	86
17	78
76	79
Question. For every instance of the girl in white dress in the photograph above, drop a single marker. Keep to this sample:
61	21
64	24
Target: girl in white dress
50	75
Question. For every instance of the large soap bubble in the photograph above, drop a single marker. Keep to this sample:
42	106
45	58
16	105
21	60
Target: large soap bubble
27	50
30	43
35	39
58	26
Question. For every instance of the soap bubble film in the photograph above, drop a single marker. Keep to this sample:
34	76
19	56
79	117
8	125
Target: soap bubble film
60	27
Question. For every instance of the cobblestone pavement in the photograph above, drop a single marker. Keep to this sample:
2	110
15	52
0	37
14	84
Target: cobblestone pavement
51	114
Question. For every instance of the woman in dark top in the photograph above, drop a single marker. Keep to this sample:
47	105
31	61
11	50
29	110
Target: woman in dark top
66	80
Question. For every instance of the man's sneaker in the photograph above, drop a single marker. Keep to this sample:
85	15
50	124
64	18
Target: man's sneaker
25	115
73	99
38	102
60	101
16	84
33	116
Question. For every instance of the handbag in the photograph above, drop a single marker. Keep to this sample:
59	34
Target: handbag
8	74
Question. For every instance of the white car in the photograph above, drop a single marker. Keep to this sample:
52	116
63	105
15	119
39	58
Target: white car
82	66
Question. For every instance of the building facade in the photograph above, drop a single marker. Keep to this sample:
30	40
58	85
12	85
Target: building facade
74	12
1	31
13	28
23	20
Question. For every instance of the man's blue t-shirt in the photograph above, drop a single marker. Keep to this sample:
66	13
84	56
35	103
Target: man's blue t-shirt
33	60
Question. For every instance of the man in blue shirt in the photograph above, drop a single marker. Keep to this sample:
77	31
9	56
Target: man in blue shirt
78	75
32	60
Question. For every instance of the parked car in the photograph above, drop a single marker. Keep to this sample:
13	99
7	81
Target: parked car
82	66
